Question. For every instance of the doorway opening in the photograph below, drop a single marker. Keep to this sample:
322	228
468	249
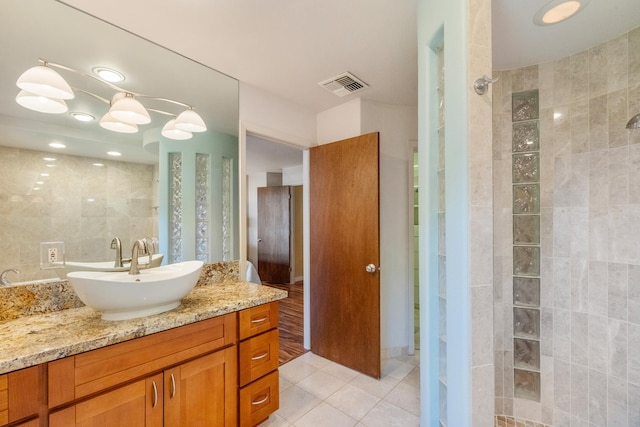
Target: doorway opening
275	242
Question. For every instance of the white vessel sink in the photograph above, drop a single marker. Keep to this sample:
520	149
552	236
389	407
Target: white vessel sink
120	296
156	261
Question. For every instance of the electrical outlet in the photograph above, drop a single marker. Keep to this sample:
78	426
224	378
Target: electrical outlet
51	255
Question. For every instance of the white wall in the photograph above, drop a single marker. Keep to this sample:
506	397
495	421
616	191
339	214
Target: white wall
293	175
265	114
397	126
341	122
253	182
269	116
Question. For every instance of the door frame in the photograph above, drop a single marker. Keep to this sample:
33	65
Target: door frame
246	128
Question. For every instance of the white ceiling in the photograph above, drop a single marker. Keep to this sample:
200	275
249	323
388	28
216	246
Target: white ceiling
287	46
518	42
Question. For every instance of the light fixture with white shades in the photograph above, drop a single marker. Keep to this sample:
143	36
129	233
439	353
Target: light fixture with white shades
129	110
42	80
44	90
172	132
110	123
41	103
190	121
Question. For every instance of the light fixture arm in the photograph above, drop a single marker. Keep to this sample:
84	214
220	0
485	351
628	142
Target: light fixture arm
111	85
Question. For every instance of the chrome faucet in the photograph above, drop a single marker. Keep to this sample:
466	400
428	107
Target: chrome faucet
139	248
3	277
117	245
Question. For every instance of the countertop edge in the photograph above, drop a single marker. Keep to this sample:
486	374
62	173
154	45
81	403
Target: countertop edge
44	338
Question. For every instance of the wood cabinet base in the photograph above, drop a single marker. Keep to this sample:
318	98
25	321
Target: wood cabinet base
259	399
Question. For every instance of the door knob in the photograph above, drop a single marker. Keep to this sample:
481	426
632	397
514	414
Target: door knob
371	268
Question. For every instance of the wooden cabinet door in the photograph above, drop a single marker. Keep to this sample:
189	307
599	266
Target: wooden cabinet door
135	405
203	392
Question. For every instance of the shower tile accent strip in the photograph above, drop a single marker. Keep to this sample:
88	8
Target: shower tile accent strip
507	421
526	249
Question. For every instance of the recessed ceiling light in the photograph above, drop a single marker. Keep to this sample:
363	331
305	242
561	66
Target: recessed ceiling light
98	164
36	188
50	165
57	145
39	182
49	159
44	174
108	74
114	153
82	117
558	11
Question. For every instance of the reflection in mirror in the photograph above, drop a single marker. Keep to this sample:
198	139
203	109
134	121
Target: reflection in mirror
81	195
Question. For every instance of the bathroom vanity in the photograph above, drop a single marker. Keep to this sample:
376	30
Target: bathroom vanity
211	362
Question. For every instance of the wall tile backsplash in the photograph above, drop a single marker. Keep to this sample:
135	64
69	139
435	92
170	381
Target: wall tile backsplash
78	202
581	366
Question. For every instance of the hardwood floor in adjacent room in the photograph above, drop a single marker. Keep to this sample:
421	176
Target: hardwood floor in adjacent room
291	328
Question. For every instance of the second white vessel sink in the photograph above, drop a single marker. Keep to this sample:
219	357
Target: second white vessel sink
120	296
69	266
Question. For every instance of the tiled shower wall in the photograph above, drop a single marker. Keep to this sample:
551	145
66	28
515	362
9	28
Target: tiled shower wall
79	203
589	238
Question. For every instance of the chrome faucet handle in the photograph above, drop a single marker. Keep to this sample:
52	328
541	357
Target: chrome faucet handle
117	245
139	248
4	281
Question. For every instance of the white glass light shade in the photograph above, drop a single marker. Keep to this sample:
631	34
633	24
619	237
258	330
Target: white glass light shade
115	125
190	121
634	122
44	81
130	110
40	103
170	131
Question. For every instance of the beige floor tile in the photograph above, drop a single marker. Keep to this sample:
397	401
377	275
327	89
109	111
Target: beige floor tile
321	384
325	415
340	371
296	370
353	401
406	397
386	414
275	420
379	388
295	402
413	379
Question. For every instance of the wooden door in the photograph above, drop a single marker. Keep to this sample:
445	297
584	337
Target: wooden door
274	234
202	393
136	405
344	240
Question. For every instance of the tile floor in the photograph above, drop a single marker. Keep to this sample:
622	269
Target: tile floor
316	392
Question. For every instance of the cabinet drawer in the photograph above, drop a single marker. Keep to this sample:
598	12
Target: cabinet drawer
258	356
259	399
88	373
20	394
255	320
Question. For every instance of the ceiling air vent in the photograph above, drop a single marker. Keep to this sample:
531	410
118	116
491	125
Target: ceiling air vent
344	84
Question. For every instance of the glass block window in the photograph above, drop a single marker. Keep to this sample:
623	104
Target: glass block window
227	220
175	207
525	146
203	195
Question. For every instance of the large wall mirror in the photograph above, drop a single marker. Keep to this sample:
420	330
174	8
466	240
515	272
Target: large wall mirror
81	195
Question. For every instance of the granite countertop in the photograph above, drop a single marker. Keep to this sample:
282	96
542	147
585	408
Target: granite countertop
31	340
